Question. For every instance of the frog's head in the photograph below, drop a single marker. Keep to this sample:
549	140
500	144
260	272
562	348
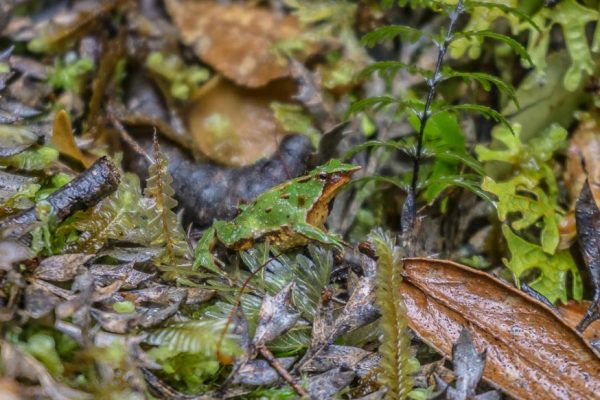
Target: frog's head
334	175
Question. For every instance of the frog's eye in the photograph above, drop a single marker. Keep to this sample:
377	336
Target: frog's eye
322	176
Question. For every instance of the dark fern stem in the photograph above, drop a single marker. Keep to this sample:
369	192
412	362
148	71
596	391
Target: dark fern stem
408	215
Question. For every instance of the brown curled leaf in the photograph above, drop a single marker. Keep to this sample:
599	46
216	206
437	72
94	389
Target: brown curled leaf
531	352
64	141
236	39
236	126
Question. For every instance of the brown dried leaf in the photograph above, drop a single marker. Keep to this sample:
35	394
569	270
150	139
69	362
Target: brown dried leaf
61	268
235	126
235	39
326	385
584	152
64	141
531	352
275	316
131	277
334	356
359	310
260	373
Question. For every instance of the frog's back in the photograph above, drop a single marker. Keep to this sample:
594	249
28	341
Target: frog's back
272	214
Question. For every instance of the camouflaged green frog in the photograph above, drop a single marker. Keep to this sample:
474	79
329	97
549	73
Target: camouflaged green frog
288	215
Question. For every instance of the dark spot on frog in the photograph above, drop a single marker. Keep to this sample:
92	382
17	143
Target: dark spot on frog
301	201
284	196
268	210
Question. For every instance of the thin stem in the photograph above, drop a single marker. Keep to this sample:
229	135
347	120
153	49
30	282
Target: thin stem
287	377
424	116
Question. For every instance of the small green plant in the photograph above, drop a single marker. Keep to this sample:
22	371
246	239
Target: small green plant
165	226
528	201
187	351
183	79
437	133
570	15
397	366
67	72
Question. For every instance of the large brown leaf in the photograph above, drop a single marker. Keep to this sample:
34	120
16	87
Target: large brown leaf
235	126
531	352
236	39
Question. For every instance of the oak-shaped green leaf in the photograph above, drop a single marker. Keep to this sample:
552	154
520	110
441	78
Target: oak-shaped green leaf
553	269
532	158
522	197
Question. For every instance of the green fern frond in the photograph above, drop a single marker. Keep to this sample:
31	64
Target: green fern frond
470	6
485	80
168	232
396	368
120	216
487	112
485	34
376	103
388	32
194	337
390	68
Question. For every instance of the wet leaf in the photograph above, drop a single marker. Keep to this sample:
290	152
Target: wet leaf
324	386
335	356
531	352
131	277
235	126
587	215
61	268
13	140
260	373
359	310
468	367
64	141
235	39
275	316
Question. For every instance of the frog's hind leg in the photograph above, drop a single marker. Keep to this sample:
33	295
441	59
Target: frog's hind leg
313	233
203	254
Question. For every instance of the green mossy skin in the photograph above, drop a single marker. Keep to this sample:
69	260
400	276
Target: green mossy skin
289	215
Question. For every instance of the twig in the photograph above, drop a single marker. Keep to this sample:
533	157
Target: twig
409	209
238	301
91	186
281	371
112	115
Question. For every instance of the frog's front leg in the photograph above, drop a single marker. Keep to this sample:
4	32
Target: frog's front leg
203	254
316	234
